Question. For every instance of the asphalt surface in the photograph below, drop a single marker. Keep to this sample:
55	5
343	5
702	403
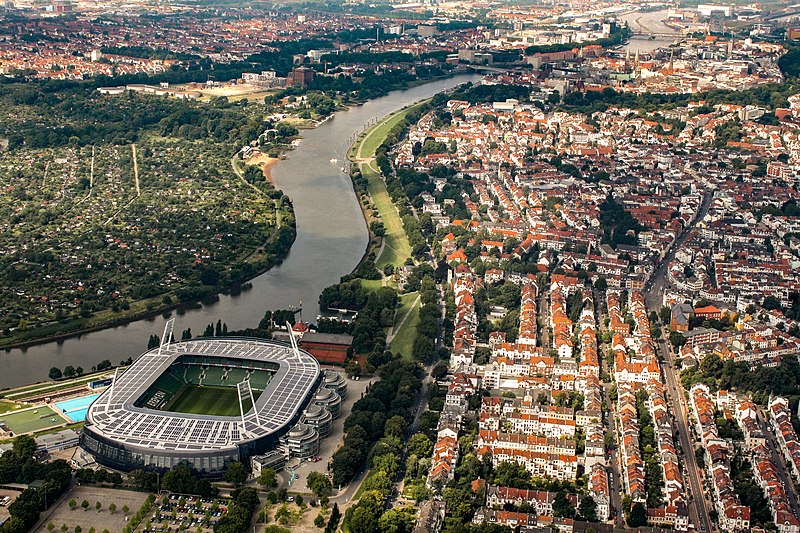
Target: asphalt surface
698	507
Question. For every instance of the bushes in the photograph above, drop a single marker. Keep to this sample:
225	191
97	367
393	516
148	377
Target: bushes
346	295
237	520
140	514
19	466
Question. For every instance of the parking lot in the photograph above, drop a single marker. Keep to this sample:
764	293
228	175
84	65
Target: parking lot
91	518
182	513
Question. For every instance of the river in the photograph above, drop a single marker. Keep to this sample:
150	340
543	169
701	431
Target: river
331	239
648	22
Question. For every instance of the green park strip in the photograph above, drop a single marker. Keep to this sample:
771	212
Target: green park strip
19	394
375	136
396	248
405	326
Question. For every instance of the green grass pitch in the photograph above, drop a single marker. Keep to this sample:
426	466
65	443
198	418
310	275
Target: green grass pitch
206	400
28	420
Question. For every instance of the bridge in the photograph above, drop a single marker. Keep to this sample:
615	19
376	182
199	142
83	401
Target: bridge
486	68
656	34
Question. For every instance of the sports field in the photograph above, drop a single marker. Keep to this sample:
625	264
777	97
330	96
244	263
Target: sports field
206	400
32	420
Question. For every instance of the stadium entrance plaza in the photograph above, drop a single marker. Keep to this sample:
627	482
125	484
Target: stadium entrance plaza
329	444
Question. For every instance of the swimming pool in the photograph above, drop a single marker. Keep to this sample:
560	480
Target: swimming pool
77	408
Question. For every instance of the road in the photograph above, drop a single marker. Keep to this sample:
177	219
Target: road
655	286
675	395
698	507
777	458
610	421
614	459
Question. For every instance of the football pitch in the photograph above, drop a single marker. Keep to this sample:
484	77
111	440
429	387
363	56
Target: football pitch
32	420
206	400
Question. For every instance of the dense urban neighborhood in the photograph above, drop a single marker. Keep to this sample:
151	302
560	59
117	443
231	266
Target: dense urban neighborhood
549	253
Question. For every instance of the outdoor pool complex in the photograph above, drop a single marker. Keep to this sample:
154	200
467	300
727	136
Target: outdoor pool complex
77	408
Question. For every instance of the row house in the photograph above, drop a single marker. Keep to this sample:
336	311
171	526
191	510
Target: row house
733	516
557	466
780	419
517	441
542	501
522	522
746	416
466	319
766	474
632	461
527	313
560	323
599	489
667	451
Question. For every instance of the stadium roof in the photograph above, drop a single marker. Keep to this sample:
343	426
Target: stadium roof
114	416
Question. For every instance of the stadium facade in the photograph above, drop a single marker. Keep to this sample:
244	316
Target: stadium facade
131	425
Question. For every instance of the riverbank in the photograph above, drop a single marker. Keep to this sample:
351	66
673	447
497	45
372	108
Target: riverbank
392	248
266	162
331	237
146	309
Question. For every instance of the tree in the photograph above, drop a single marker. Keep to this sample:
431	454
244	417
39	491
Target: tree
512	474
420	445
126	509
283	514
395	427
677	339
98	506
236	473
298	500
78	529
73	504
85	504
50	526
638	515
587	509
319	483
562	506
69	371
268	478
439	371
394	521
55	373
112	508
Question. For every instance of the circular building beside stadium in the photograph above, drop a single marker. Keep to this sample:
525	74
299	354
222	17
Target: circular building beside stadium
205	402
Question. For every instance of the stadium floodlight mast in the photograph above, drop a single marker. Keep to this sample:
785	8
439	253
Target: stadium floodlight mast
111	392
244	389
293	341
167	338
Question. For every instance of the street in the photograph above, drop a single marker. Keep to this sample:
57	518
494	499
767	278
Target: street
777	458
698	507
697	500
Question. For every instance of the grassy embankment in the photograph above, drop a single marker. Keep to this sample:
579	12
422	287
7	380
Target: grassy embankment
395	248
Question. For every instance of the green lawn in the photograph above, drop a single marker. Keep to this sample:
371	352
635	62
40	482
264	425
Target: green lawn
403	340
206	400
376	135
6	406
396	248
32	420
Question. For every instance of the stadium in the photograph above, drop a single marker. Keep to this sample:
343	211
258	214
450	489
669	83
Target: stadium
205	402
